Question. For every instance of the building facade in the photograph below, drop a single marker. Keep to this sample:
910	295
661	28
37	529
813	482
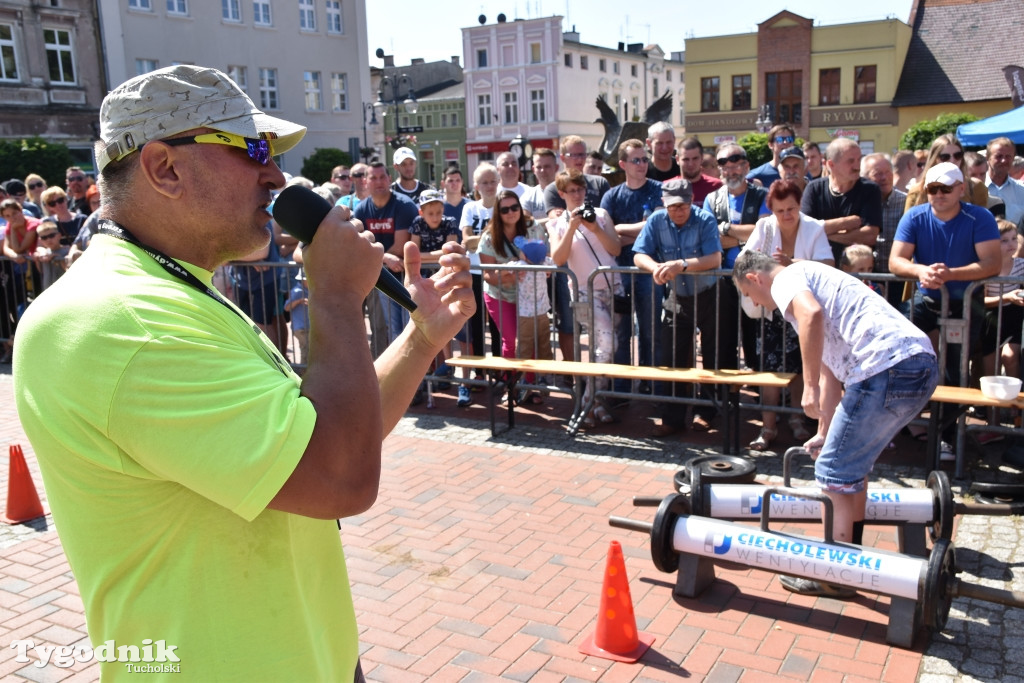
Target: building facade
301	60
529	78
436	130
51	76
827	81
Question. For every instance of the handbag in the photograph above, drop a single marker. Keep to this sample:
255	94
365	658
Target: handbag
752	310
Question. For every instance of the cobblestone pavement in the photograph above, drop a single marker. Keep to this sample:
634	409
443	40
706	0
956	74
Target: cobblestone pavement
981	642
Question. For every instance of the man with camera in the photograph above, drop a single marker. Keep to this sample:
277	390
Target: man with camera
672	246
629	204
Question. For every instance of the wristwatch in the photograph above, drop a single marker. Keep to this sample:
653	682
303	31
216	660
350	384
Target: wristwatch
724	227
685	265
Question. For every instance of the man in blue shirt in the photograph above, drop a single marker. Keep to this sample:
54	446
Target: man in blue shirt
780	137
629	204
673	245
945	244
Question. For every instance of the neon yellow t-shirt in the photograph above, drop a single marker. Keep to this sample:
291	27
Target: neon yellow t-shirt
163	429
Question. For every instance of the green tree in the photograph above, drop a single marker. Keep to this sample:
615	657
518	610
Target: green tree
19	157
318	166
923	133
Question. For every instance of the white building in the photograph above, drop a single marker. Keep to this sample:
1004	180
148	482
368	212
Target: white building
302	60
528	77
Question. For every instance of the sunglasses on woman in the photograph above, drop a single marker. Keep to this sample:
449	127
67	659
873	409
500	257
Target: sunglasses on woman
955	155
508	209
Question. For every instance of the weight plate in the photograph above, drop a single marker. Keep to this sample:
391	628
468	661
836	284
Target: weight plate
942	525
938	585
724	469
663	552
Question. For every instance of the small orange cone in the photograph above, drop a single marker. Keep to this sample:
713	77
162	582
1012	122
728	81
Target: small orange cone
616	636
22	500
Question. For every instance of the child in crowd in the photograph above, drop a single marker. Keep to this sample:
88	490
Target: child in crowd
533	304
297	306
1001	329
50	254
429	231
858	258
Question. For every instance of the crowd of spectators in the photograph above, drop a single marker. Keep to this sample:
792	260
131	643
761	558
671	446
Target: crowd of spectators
672	211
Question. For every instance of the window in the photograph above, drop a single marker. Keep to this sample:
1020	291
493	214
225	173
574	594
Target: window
568	59
654	86
144	66
59	56
584	62
481	59
632	70
339	92
230	11
636	107
307	15
313	97
8	55
534	53
455	120
261	13
140	4
709	94
483	103
615	67
602	65
334	23
537	106
864	79
782	94
239	76
429	123
618	105
179	7
668	75
828	86
741	92
268	88
511	107
444	120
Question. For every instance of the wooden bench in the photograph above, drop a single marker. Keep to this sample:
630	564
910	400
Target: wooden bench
963	397
505	373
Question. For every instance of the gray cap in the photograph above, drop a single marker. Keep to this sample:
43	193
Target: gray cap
180	98
676	191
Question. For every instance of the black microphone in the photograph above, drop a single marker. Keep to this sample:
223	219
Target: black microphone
300	211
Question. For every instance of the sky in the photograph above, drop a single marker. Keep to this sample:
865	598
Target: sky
432	30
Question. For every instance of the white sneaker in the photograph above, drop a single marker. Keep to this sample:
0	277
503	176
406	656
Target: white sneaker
946	452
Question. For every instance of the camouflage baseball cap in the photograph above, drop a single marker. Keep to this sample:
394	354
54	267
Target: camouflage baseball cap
179	98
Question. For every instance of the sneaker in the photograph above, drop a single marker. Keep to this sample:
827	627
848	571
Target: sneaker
464	396
946	453
802	586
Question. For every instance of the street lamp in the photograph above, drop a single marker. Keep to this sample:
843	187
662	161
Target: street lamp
391	94
368	107
522	150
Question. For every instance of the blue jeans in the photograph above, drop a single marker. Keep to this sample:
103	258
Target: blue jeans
870	414
647	306
396	316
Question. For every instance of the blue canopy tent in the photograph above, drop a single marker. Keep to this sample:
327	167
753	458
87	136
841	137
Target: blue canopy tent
1009	124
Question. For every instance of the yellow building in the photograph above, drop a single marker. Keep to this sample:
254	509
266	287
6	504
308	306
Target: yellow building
827	81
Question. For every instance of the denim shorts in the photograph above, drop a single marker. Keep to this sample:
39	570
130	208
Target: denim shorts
870	414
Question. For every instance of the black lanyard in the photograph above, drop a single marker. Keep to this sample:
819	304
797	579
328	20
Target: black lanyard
112	229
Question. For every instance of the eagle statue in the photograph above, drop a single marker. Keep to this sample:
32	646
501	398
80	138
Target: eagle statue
615	132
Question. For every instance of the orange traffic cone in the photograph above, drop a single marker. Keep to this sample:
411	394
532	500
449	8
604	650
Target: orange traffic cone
616	636
22	500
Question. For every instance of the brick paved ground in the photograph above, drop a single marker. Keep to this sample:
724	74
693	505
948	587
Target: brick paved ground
483	560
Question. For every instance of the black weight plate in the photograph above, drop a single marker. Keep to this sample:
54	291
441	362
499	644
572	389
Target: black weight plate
724	469
663	552
938	585
942	525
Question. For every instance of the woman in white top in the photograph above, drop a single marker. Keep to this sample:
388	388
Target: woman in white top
787	236
585	246
475	216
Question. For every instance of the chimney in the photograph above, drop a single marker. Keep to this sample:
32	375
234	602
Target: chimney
455	60
416	60
389	60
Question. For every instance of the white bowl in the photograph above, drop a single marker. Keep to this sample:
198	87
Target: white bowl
1000	388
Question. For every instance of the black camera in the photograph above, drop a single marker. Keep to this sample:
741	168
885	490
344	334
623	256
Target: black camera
587	213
